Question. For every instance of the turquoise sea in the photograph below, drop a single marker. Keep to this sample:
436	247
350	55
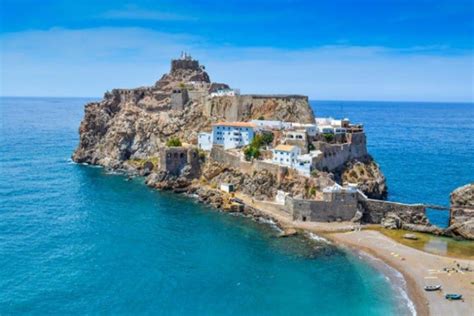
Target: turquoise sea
78	240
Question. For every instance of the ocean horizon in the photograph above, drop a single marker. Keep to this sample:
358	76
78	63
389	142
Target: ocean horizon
77	239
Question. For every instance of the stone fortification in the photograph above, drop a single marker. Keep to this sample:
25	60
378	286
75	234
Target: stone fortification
135	123
334	156
290	108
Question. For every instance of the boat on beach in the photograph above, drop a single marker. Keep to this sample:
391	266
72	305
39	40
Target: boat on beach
453	296
430	288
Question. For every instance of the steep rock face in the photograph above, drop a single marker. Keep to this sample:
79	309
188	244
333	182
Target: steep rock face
462	212
368	176
291	108
134	123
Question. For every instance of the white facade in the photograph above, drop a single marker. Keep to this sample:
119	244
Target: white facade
304	163
267	124
311	129
205	141
223	92
227	187
233	134
285	155
325	129
340	130
280	197
295	135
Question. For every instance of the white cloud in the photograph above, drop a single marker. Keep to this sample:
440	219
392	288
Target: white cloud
90	61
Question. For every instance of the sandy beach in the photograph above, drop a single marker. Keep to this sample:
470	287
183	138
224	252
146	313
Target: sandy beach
419	268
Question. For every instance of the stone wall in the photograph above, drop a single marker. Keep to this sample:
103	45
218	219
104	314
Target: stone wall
179	98
184	64
222	156
174	159
375	210
336	155
322	211
290	108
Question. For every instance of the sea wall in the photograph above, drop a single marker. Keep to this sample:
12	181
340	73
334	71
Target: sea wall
376	210
322	211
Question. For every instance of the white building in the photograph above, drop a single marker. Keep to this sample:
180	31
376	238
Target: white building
227	187
285	155
304	163
339	130
232	134
268	124
325	129
205	141
223	92
295	135
311	129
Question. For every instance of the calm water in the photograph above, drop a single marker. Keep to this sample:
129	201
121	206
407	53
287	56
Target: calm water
425	150
74	239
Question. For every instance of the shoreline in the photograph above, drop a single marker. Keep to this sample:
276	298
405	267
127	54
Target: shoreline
348	235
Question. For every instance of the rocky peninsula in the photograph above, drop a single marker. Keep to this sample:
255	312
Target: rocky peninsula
169	133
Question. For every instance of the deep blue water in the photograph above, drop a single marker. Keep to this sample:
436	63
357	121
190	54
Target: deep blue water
425	150
75	240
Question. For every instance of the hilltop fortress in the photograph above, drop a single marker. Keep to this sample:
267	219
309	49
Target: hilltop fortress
189	134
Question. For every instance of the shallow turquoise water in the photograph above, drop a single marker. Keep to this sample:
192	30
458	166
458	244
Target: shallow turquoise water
75	240
425	150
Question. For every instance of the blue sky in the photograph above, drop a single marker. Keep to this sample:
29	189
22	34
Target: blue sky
341	50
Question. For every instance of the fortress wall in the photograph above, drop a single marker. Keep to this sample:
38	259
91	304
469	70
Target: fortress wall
336	155
321	211
375	210
224	157
247	107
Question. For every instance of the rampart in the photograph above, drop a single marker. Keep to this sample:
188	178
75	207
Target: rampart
246	107
322	211
222	156
375	210
335	155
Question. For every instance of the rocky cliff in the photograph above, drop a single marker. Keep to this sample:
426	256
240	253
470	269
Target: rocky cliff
366	173
461	222
133	123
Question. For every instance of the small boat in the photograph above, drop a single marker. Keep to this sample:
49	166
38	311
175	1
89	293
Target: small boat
433	287
453	296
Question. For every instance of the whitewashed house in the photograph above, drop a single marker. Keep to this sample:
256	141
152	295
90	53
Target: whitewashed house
286	155
233	134
268	124
325	129
304	163
205	141
311	129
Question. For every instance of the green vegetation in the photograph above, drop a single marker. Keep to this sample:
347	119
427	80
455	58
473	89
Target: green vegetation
261	118
311	147
312	191
140	163
314	173
251	153
328	137
253	150
173	142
